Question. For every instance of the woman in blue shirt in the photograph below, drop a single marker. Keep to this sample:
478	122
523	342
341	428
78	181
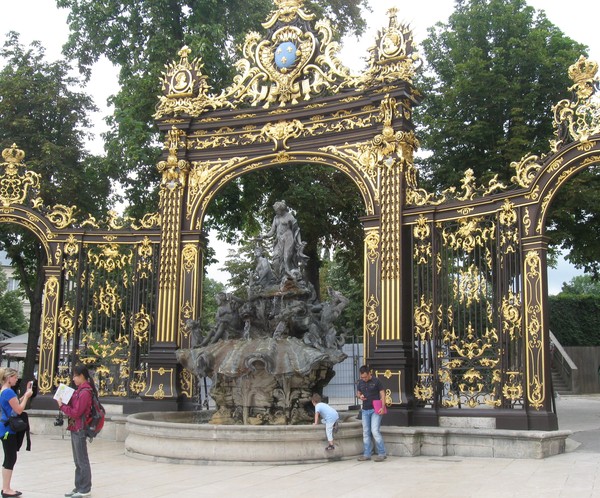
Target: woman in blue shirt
10	405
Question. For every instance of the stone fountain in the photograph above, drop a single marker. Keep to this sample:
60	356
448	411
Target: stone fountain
265	355
268	353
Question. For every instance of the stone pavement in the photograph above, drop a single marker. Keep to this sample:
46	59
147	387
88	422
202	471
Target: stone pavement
47	471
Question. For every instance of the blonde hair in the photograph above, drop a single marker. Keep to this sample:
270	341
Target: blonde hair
6	373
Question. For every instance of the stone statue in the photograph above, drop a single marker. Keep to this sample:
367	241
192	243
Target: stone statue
332	310
228	321
287	245
267	354
263	273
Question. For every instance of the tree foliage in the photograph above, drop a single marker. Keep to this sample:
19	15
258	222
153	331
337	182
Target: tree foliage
210	289
139	38
325	203
12	318
493	73
581	285
574	220
44	116
575	319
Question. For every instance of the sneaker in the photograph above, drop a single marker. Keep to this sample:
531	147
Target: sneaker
379	458
330	447
363	458
70	493
81	495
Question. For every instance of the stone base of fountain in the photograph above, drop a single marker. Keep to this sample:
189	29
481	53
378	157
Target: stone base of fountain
181	437
178	437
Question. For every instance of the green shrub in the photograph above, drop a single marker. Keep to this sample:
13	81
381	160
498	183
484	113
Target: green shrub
575	320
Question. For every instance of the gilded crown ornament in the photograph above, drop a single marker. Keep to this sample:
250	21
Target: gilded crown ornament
578	119
13	154
583	73
15	180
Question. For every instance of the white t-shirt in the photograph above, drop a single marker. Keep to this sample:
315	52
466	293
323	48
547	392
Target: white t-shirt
328	414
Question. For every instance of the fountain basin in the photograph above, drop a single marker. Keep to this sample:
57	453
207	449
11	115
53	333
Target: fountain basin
179	437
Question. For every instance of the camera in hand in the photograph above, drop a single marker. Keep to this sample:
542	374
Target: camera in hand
59	420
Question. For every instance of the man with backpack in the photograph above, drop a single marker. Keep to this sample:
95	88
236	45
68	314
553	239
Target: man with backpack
79	411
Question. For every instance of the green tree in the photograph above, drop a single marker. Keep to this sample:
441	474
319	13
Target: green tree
325	202
41	113
336	275
581	285
210	289
494	70
574	221
12	318
139	38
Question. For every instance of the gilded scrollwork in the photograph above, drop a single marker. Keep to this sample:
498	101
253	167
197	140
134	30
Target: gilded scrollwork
372	315
109	258
513	387
534	342
138	383
471	233
422	245
526	169
469	286
202	175
62	216
372	246
141	326
511	315
423	320
509	231
66	323
282	131
424	387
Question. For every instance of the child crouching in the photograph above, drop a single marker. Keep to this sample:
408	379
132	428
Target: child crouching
329	417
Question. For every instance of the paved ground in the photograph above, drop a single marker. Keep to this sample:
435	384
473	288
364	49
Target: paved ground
47	472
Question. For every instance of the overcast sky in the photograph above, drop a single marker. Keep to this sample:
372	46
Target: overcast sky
41	20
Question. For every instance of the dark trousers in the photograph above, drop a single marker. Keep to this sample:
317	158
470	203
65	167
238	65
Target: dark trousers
10	444
83	472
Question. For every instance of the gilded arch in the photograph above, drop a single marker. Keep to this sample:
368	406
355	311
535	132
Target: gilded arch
203	187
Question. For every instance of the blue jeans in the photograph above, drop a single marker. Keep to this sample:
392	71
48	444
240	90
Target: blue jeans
371	423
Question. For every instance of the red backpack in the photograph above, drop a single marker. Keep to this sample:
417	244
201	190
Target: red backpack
94	422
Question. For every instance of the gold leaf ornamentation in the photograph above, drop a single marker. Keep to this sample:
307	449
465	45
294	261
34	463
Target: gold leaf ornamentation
526	169
16	181
578	119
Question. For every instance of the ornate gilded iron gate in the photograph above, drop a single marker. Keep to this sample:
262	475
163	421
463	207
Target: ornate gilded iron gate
108	305
455	290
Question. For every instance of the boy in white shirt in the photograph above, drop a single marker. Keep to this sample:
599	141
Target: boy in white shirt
329	417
